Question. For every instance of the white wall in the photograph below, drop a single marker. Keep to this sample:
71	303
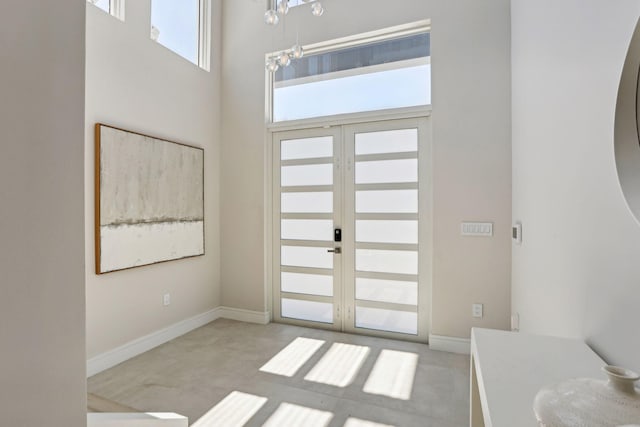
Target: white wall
42	333
576	273
471	130
137	84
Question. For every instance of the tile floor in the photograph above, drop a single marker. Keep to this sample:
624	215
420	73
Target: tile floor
192	374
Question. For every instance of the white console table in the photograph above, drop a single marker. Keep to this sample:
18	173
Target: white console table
134	419
508	369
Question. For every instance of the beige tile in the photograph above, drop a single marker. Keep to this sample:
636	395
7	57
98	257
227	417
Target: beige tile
191	374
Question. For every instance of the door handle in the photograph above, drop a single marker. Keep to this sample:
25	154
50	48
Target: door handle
335	250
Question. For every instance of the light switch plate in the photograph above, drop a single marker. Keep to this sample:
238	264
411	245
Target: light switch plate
484	229
516	233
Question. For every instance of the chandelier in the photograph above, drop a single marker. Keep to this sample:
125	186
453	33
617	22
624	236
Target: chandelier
277	9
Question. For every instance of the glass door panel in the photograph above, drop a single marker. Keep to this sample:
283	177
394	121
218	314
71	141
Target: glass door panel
387	261
387	201
387	231
306	283
386	171
301	202
404	322
306	257
307	191
314	311
303	175
384	193
306	229
393	291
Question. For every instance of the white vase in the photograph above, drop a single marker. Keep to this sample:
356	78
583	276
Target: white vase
587	402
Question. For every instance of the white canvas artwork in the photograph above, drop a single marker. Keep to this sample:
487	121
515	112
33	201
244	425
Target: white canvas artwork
149	200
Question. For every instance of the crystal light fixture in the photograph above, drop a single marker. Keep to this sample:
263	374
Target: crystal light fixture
155	33
284	59
272	65
271	15
283	7
317	9
276	10
297	52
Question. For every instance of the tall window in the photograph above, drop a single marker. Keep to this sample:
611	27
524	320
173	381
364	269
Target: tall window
183	27
112	7
370	76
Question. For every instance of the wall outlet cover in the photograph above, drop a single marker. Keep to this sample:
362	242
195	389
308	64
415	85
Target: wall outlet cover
476	310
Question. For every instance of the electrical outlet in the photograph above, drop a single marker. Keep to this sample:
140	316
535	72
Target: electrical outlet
515	322
166	299
476	310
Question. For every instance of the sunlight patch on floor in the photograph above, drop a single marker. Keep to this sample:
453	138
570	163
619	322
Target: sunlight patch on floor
339	366
232	411
357	422
392	375
289	414
292	357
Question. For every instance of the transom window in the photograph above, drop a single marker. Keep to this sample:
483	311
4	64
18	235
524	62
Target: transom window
374	75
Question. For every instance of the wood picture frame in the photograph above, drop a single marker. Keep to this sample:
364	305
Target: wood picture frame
149	200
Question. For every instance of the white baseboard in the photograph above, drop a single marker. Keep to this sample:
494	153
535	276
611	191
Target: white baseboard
138	346
242	315
450	344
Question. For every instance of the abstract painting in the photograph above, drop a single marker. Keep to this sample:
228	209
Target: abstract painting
149	200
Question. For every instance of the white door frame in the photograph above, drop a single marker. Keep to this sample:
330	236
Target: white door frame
421	118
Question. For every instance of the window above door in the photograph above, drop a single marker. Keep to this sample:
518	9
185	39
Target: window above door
371	74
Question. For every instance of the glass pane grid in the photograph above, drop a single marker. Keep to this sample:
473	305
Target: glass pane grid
391	141
306	175
404	322
386	171
387	231
304	256
306	148
386	256
307	202
307	310
306	229
386	295
387	261
387	201
387	291
309	284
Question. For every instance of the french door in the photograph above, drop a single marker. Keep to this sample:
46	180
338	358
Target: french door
351	227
